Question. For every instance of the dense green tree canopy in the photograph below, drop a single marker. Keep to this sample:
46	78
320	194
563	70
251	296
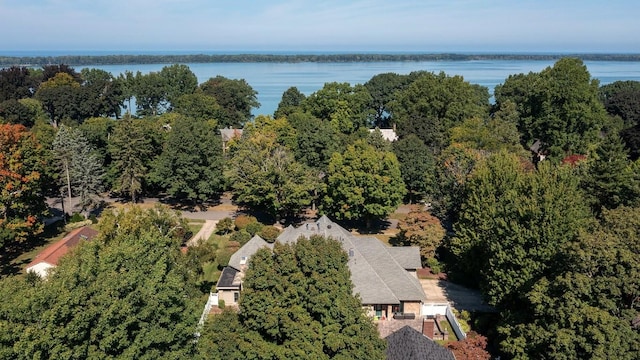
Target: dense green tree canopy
382	88
513	223
179	80
362	184
558	106
265	174
16	83
131	151
345	106
236	98
291	100
297	302
589	301
190	166
432	104
125	294
417	166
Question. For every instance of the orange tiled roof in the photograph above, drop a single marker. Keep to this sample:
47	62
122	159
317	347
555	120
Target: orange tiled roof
54	252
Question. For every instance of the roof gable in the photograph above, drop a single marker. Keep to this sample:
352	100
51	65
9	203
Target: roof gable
241	257
409	344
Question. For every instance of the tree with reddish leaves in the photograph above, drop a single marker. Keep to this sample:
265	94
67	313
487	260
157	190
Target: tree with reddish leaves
474	347
21	196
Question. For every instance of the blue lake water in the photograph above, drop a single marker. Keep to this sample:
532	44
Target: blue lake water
270	80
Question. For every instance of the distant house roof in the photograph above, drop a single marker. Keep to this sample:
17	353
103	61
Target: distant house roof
228	134
409	344
387	134
50	256
378	272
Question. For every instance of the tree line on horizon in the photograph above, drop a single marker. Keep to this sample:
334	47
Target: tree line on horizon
533	199
130	59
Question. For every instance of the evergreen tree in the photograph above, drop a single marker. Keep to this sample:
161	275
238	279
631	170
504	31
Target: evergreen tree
131	151
611	179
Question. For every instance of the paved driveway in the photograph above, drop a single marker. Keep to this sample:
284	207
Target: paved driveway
459	297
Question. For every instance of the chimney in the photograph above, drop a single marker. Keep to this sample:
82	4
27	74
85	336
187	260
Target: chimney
428	326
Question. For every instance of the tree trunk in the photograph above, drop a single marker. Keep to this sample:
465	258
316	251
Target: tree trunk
66	170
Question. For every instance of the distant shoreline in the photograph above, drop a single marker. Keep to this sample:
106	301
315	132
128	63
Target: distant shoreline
129	59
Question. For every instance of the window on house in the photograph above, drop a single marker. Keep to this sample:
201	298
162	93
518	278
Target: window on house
236	296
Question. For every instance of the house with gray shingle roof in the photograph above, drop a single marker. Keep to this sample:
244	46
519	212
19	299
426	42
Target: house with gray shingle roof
383	277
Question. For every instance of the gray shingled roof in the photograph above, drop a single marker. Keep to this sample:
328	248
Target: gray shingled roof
403	285
247	250
376	274
409	344
407	256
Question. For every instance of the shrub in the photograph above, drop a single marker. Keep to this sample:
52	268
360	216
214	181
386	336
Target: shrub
76	217
221	304
93	218
254	228
269	233
225	226
242	221
434	265
241	237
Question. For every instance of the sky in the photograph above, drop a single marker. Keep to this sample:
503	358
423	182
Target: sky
196	26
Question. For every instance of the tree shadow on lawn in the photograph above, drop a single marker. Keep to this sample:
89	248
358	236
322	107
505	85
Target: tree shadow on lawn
9	263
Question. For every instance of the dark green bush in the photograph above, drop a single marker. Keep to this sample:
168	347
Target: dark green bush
254	228
241	237
225	226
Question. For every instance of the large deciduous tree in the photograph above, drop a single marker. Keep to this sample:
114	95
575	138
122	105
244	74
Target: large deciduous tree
432	104
190	166
512	224
236	98
291	101
297	302
345	106
558	106
16	83
125	294
264	174
362	184
179	80
382	88
589	301
21	184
